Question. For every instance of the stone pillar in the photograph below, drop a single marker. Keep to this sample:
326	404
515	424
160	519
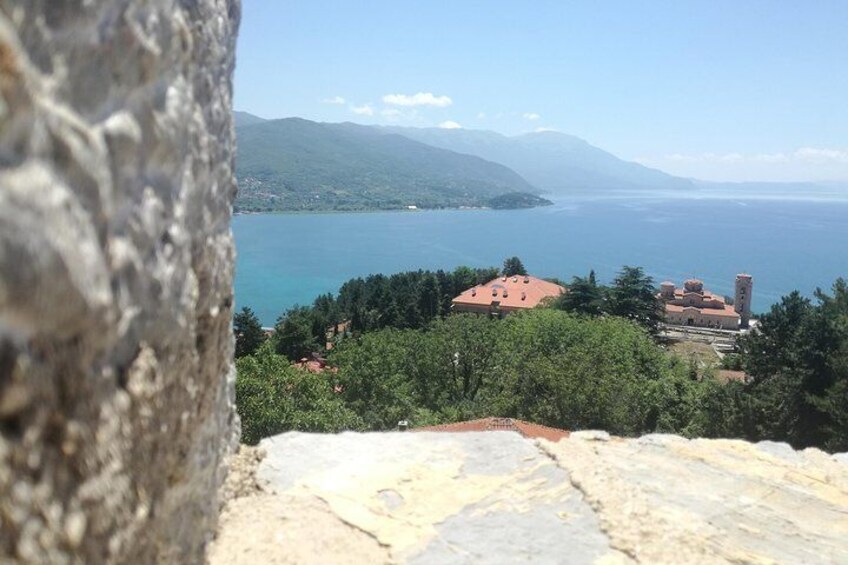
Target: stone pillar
116	265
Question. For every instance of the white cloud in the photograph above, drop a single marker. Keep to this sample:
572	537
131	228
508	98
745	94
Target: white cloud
541	130
532	116
802	155
391	113
771	157
817	155
419	99
450	124
364	110
802	164
481	115
336	100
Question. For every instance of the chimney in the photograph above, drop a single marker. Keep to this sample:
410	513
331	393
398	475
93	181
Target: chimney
505	293
514	279
474	291
403	425
526	279
523	296
494	292
504	278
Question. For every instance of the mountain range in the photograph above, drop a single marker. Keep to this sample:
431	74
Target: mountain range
553	162
294	164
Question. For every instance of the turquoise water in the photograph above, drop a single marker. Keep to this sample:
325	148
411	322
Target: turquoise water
786	245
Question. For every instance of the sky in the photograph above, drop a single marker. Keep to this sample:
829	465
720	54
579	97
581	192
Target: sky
741	90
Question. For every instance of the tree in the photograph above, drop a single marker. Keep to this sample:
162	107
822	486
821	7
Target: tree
463	279
294	334
455	361
513	266
485	275
373	370
633	296
429	299
541	365
797	359
248	332
583	297
273	397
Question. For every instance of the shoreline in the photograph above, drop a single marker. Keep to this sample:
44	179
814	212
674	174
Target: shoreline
582	198
375	211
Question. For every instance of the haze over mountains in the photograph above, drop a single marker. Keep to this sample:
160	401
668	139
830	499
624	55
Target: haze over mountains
295	164
551	161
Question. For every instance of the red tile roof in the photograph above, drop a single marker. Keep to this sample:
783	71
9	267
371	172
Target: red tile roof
725	376
706	294
526	429
315	365
521	292
726	312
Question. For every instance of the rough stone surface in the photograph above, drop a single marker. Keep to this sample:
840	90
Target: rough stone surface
495	497
116	258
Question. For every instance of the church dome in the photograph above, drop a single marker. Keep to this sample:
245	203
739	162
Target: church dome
693	285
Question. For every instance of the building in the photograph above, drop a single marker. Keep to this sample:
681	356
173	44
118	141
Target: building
742	300
694	306
315	363
506	294
526	429
724	376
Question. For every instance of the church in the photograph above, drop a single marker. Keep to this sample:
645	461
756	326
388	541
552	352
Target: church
694	306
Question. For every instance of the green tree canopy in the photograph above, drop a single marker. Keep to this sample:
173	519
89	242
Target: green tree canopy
633	297
513	266
273	397
797	358
584	296
294	334
541	365
248	332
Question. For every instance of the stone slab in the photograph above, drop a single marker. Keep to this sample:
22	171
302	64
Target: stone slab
495	497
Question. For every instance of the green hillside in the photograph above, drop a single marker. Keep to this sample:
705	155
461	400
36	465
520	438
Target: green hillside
296	165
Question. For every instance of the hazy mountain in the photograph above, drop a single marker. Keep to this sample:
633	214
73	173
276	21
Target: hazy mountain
246	119
551	161
296	164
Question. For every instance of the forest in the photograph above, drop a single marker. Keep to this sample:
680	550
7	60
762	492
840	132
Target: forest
592	359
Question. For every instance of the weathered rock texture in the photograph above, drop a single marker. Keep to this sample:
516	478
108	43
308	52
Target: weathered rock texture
116	258
494	497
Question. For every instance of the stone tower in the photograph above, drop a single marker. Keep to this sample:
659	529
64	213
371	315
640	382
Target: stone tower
744	286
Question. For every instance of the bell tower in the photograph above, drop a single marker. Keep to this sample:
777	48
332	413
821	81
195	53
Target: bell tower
742	304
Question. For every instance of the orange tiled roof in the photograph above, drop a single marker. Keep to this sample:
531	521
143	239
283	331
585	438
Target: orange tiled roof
519	294
726	312
316	366
526	429
725	376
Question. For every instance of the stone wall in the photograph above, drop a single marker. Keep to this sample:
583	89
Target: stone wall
116	258
496	497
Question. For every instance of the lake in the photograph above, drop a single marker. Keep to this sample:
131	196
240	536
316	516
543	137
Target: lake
287	259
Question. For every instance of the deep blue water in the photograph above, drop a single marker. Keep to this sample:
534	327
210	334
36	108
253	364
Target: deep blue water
287	259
